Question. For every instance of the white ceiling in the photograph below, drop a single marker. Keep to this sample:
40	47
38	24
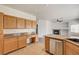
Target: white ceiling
49	11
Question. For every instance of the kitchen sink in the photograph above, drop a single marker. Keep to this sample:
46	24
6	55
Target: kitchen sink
73	39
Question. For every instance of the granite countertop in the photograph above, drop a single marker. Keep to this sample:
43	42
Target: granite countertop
62	38
13	35
58	37
75	43
17	34
9	36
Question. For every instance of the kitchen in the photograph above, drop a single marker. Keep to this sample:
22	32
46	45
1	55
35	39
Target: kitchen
53	27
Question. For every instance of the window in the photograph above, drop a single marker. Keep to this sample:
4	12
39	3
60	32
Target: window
75	28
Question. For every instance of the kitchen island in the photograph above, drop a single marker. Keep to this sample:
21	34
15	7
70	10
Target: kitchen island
62	45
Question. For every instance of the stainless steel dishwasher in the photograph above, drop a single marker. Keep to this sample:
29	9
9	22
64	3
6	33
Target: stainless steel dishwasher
56	47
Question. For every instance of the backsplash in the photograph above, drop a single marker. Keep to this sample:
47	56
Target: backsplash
11	31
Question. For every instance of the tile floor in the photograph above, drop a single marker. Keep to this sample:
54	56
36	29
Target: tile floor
32	49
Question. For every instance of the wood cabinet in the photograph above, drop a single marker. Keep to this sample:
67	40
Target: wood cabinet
10	44
47	44
22	41
9	22
53	46
1	44
33	25
28	24
1	23
1	20
1	31
20	23
71	49
13	43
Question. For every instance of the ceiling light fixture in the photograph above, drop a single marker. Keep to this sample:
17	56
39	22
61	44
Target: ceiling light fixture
60	19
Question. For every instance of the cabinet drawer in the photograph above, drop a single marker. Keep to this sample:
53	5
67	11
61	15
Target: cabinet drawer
10	44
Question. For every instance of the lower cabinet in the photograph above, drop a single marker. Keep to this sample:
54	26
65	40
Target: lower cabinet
21	41
1	44
13	43
53	46
10	44
47	44
71	49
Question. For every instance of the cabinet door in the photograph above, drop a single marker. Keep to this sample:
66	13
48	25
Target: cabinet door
47	44
1	31
20	23
28	24
10	44
1	21
33	24
9	22
1	44
71	49
21	41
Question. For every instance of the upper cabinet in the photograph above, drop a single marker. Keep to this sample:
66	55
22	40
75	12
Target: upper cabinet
20	23
28	24
1	44
1	20
9	22
34	23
